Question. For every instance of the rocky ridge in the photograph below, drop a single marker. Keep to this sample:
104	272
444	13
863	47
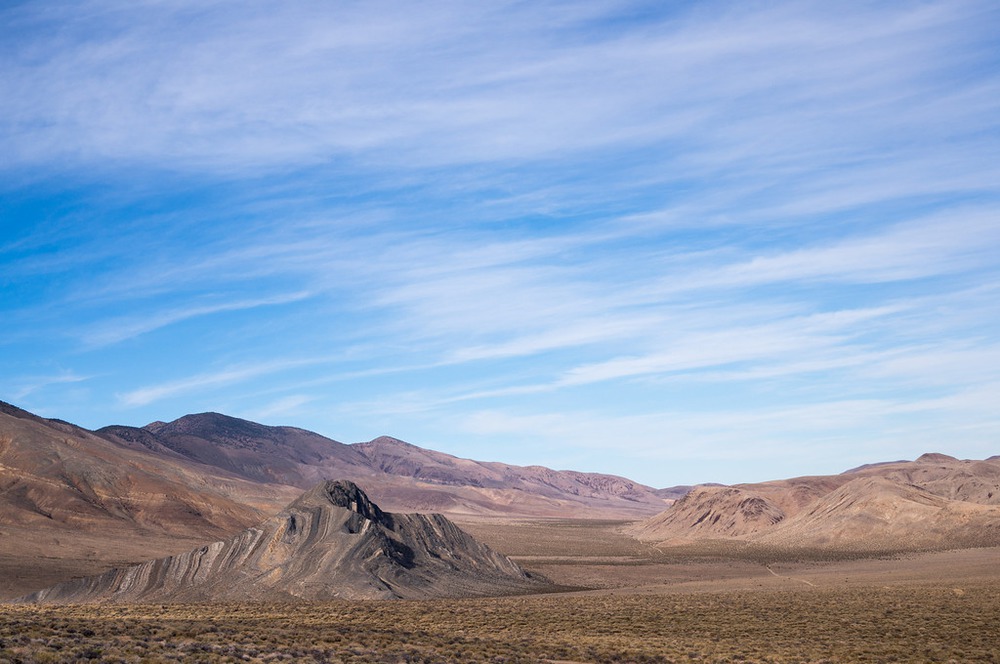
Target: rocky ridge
332	542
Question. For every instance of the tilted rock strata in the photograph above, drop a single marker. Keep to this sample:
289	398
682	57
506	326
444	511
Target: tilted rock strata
332	542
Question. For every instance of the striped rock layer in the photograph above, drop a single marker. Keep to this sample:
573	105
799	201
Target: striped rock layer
332	542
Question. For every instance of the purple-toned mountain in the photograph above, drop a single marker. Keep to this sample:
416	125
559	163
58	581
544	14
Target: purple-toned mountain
397	474
76	502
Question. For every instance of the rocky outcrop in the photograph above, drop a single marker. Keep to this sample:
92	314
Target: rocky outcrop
332	542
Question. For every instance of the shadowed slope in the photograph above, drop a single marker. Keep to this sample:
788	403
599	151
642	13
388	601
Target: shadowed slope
331	542
283	455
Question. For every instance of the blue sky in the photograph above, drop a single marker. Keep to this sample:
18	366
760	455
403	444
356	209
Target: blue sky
681	242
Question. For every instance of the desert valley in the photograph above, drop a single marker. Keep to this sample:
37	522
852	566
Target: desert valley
550	332
215	539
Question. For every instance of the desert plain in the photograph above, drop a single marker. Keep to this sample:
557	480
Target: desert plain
618	600
891	562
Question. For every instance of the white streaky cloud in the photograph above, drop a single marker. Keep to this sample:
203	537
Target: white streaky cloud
703	347
287	406
29	385
808	336
117	330
580	331
694	232
687	358
942	364
789	347
198	383
961	241
452	84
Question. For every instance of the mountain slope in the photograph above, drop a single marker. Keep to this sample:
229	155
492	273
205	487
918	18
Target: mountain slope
933	502
875	514
71	501
55	473
281	455
331	542
600	491
710	513
408	477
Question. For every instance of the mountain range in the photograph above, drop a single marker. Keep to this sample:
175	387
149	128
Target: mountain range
408	477
74	501
77	503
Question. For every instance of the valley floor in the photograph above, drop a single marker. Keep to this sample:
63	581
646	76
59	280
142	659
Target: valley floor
853	624
624	601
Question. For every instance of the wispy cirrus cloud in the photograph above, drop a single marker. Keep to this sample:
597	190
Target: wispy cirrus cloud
116	330
576	218
457	84
28	385
212	379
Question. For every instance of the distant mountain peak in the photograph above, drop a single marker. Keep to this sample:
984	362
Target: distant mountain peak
935	457
389	440
153	427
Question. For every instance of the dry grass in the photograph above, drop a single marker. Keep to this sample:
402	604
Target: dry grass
571	538
872	624
709	603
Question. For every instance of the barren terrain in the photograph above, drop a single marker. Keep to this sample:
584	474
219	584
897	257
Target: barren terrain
623	601
856	567
330	543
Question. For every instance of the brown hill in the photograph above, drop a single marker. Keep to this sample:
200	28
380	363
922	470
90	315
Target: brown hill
59	474
331	542
71	502
504	488
408	477
942	475
278	455
711	513
876	514
933	502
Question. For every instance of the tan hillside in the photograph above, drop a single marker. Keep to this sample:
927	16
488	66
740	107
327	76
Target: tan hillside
73	502
970	481
332	542
936	501
712	512
880	514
